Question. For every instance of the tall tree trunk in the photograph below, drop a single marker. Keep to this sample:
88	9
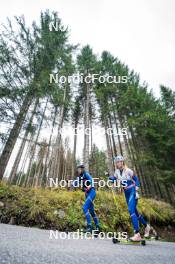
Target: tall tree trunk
112	136
36	141
115	115
138	155
110	139
40	164
31	156
26	157
46	165
74	151
55	163
14	133
109	153
86	124
22	146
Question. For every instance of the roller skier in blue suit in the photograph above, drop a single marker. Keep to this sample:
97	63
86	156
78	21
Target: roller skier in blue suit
85	181
130	183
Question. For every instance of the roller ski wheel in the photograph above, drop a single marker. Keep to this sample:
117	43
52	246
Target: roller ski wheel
115	240
143	242
95	233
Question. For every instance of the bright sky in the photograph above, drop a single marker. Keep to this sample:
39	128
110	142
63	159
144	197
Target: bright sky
140	33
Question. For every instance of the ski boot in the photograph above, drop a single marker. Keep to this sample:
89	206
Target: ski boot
88	229
147	231
136	238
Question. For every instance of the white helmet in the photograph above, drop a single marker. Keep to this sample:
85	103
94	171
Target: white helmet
118	158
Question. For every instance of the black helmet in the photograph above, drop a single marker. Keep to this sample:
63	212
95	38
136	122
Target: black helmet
81	166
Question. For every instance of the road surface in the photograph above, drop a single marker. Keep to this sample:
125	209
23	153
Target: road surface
22	245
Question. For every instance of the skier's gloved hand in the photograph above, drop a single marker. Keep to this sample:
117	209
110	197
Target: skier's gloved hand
88	188
119	190
137	195
137	188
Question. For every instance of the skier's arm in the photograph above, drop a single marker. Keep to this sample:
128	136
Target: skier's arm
112	178
89	181
137	185
136	180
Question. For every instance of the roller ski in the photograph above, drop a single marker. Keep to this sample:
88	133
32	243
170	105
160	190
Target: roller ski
135	240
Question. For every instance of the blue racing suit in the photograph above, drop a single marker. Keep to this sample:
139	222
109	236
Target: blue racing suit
86	180
131	180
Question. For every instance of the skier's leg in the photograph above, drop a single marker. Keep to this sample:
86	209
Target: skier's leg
143	221
140	218
86	211
92	195
132	209
93	214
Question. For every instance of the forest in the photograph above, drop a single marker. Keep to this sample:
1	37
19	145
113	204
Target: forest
34	111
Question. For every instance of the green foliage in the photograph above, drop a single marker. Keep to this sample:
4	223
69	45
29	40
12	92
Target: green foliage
86	61
62	209
98	164
168	100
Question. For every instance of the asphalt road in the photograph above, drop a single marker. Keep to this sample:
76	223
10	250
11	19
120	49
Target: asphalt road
22	245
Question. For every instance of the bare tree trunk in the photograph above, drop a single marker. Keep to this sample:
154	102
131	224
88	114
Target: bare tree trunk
74	152
137	153
41	157
22	146
31	154
117	128
109	153
55	165
36	141
86	124
112	137
46	167
14	133
24	163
